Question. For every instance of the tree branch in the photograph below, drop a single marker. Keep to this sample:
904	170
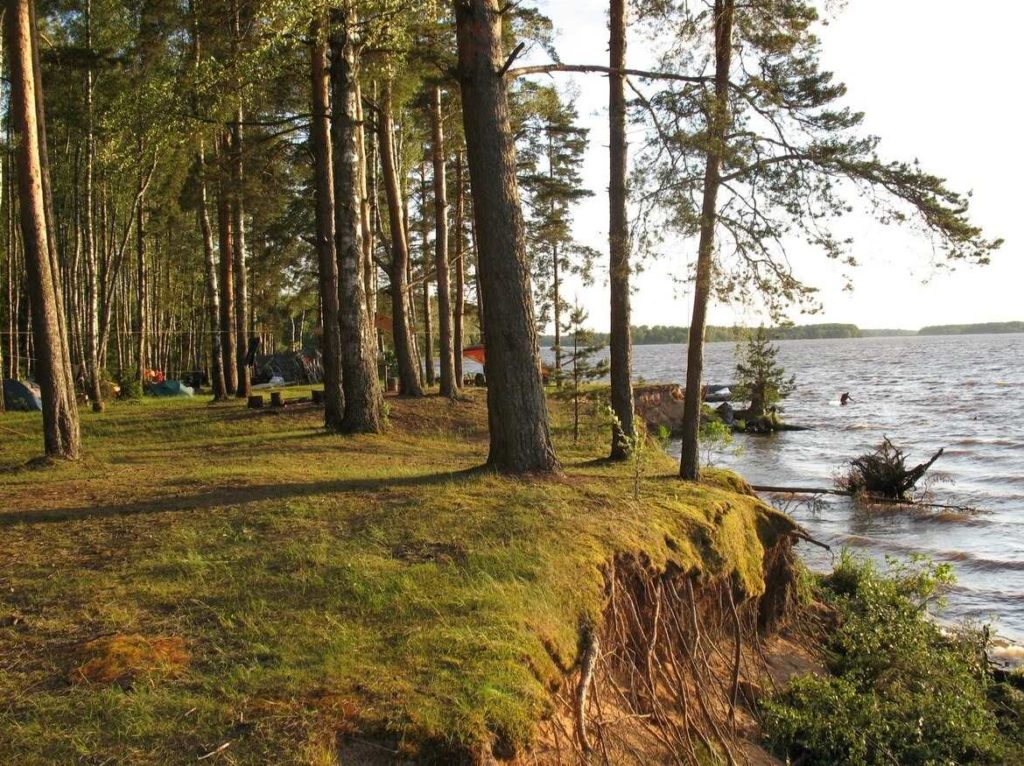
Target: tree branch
597	69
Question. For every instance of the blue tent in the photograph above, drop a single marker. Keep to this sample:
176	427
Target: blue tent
22	396
169	388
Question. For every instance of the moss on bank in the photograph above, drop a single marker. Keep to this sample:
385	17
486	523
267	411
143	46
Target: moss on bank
318	584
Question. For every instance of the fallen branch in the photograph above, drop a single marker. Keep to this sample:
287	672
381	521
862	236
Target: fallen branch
583	689
864	496
799	534
922	504
800	490
214	752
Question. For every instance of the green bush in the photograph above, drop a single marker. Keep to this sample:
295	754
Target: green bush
901	690
130	387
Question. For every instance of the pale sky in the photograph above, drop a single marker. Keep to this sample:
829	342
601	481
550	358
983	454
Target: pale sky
937	80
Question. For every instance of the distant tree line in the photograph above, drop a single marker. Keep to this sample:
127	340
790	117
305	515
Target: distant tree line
985	328
647	335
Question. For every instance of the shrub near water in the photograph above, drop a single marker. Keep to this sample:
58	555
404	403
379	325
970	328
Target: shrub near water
901	690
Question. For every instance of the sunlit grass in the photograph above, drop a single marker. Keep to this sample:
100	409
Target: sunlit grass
321	584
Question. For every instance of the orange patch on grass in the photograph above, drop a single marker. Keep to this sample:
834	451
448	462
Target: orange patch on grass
122	657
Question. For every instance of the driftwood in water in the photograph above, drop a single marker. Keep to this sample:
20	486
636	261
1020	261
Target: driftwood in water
883	473
799	490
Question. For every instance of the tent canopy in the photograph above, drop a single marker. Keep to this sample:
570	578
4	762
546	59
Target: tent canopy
169	388
22	396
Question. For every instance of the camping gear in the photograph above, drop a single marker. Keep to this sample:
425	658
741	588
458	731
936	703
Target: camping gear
476	353
717	393
169	388
296	367
22	396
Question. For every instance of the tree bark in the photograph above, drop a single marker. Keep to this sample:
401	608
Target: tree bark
92	306
517	412
217	381
238	224
689	461
458	340
44	162
363	402
408	372
425	259
53	366
226	246
238	253
334	400
449	380
220	391
620	340
365	211
141	290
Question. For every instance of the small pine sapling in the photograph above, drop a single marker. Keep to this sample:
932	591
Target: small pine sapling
579	360
761	379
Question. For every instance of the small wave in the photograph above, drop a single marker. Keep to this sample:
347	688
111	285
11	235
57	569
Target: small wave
956	517
993	565
962	558
1008	655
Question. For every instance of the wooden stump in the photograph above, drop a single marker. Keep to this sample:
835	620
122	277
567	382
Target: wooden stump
275	399
318	396
256	402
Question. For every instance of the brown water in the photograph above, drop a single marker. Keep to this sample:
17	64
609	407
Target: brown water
964	393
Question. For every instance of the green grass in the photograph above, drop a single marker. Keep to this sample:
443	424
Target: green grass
321	584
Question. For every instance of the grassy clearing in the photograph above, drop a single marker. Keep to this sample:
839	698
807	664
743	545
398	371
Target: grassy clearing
269	586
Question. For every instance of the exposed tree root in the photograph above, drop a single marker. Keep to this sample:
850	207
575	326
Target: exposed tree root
659	681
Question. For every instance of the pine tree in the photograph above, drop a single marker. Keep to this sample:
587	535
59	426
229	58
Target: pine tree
550	165
580	363
761	379
520	437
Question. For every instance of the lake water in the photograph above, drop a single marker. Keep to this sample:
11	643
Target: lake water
964	393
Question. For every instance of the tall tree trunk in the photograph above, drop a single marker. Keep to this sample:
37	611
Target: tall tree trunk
141	291
408	372
238	223
556	277
238	252
369	265
44	162
517	411
217	381
334	401
226	246
13	293
458	340
220	391
556	284
689	461
476	279
363	403
92	330
425	259
620	340
60	413
449	380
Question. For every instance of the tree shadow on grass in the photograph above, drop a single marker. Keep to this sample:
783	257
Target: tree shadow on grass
238	495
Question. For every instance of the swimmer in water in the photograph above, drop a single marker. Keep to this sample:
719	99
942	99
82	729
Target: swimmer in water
845	399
